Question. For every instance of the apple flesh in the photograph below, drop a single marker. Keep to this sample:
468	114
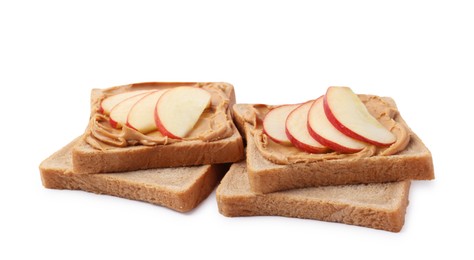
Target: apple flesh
324	132
297	130
141	116
179	109
110	102
349	115
274	123
119	113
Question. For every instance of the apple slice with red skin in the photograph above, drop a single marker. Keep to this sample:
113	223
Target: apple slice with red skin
324	132
119	113
141	116
297	130
110	102
179	109
349	115
274	123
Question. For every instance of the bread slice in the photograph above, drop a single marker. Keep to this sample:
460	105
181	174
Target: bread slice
414	163
379	206
87	159
180	189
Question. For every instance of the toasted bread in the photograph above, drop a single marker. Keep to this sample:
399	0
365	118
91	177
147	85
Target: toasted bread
180	189
379	206
88	159
413	163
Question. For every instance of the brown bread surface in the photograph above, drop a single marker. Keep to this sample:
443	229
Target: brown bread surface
378	205
88	160
180	189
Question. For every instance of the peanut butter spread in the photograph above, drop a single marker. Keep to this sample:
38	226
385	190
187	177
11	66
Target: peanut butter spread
383	109
214	124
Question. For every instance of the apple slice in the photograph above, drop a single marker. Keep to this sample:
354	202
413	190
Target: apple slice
179	109
142	114
108	103
274	123
297	130
324	132
349	115
119	113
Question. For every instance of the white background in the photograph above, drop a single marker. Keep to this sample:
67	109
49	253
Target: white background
52	53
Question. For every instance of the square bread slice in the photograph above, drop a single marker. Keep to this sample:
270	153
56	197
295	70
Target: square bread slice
87	159
378	206
413	163
180	189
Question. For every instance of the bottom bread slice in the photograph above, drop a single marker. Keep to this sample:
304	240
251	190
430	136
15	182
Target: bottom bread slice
180	189
378	205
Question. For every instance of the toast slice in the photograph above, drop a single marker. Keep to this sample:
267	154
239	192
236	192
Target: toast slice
89	159
377	205
413	163
180	189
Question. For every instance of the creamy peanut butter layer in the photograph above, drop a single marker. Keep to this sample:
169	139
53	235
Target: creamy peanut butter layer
214	124
383	109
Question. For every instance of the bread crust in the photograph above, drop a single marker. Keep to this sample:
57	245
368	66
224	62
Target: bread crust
180	189
87	160
414	163
333	204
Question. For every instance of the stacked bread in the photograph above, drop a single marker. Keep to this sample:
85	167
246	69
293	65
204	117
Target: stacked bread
131	157
171	143
300	164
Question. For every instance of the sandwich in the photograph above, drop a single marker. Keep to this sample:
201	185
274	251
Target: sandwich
350	161
365	140
157	124
160	142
